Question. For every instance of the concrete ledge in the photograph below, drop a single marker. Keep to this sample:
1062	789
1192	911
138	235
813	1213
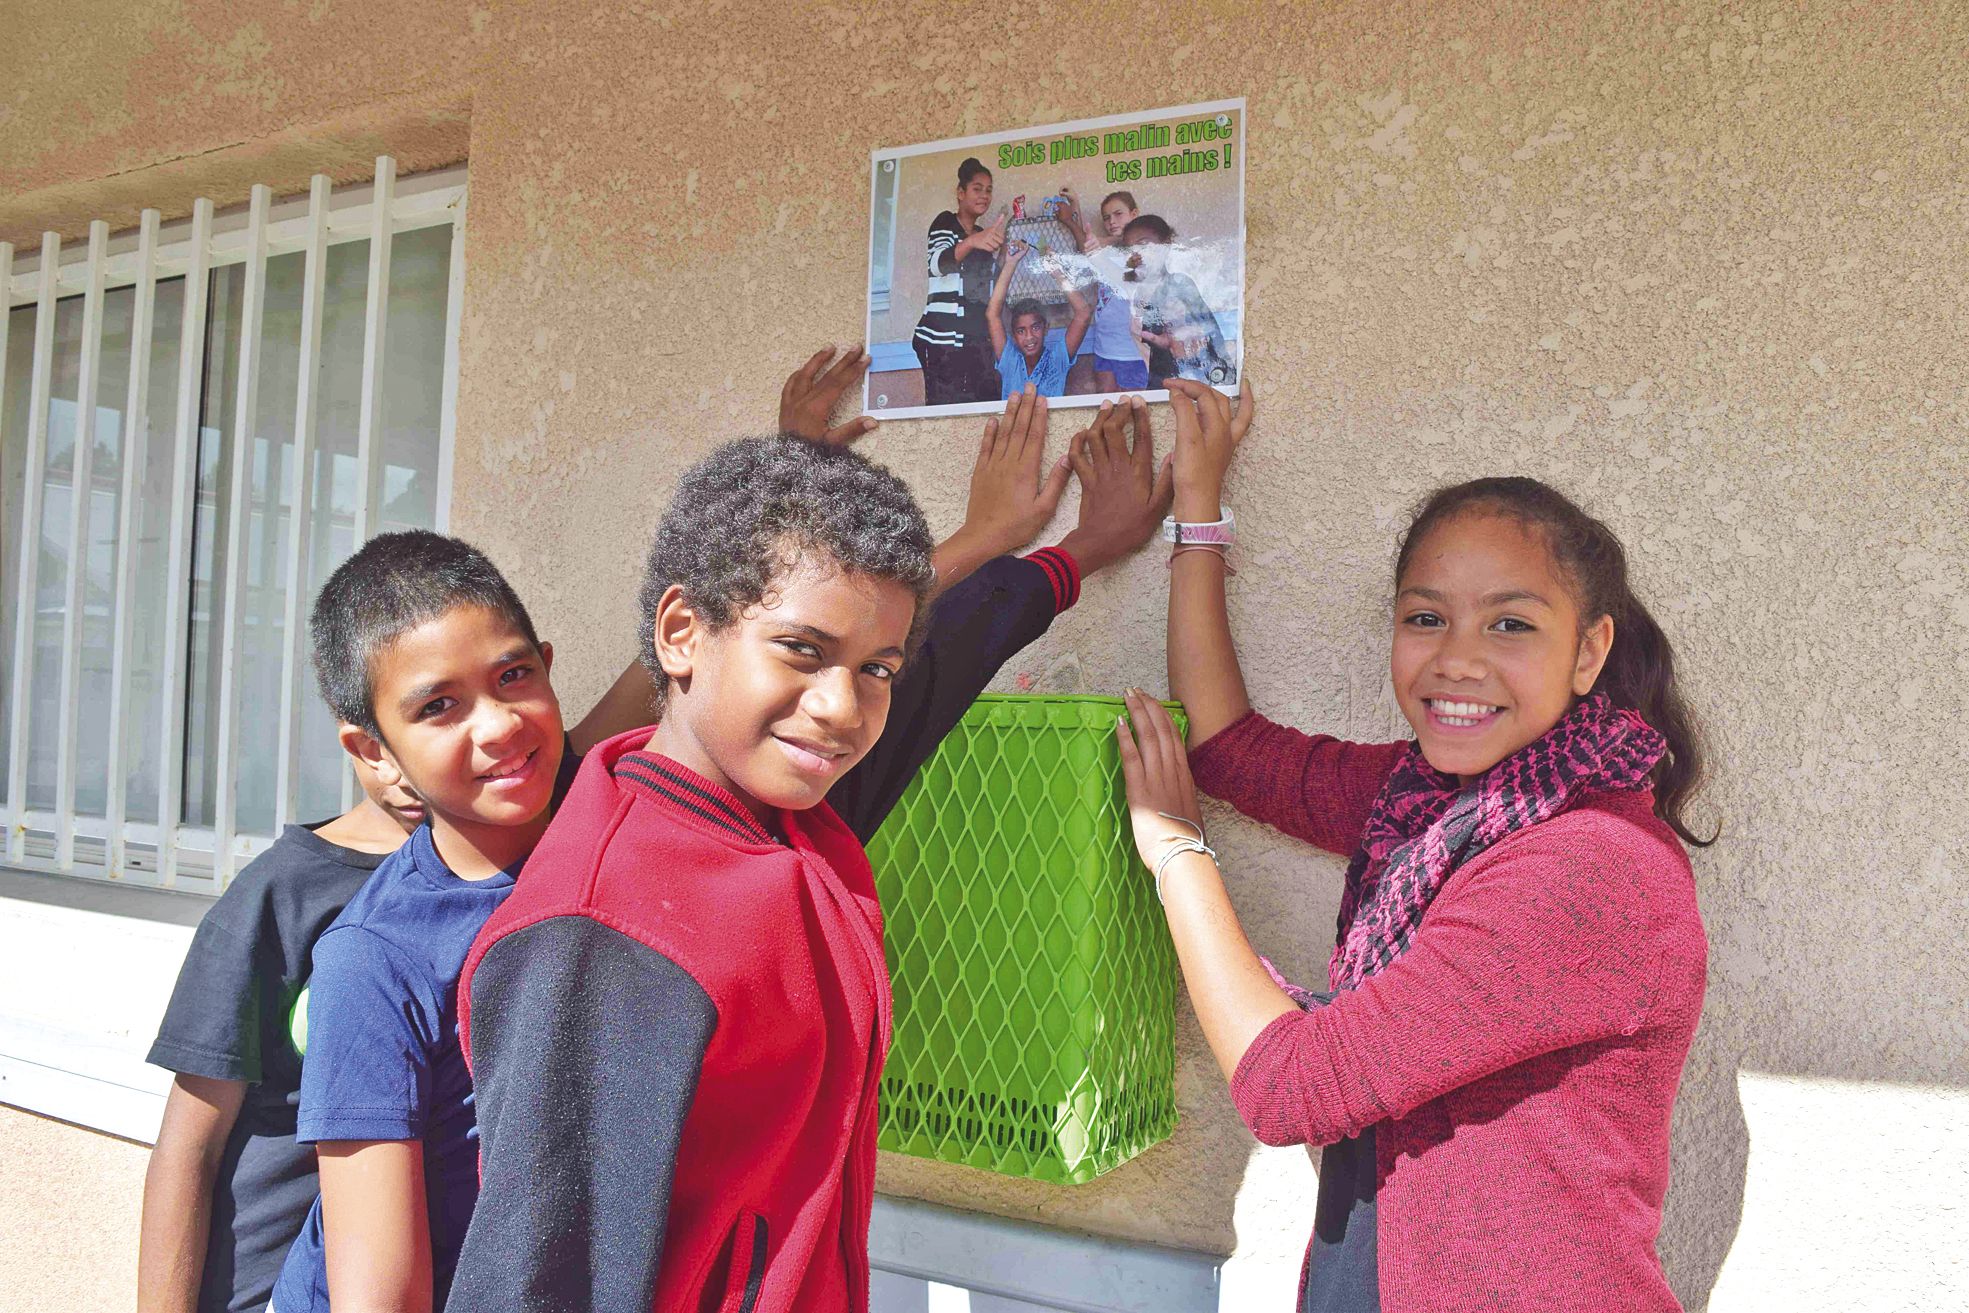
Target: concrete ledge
1052	1269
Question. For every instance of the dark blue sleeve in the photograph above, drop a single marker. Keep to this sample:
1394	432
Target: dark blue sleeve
975	627
373	1023
586	1049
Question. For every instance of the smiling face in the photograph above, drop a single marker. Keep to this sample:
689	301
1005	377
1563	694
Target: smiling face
1489	650
777	705
471	727
974	197
1029	333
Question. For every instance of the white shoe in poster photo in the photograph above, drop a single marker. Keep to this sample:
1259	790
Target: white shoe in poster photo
1092	260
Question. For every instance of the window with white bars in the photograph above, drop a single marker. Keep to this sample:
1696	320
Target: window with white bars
198	422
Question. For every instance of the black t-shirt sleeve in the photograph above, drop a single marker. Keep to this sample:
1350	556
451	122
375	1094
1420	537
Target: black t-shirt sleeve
211	1027
974	628
586	1050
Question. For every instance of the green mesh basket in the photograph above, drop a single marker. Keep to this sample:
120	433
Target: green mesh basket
1034	980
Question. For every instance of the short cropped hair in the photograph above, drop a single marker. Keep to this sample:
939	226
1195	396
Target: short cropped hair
394	583
748	513
1022	307
969	169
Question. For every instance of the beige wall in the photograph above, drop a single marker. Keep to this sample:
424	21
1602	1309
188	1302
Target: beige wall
68	1216
1702	266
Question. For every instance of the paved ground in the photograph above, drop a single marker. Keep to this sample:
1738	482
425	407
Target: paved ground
69	1245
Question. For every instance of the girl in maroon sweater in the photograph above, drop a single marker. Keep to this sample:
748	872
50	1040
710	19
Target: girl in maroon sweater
1520	962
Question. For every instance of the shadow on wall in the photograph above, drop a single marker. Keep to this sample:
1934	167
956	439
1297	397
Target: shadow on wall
1709	1155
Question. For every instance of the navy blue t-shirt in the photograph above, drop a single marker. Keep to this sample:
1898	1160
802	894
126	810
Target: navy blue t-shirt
383	1060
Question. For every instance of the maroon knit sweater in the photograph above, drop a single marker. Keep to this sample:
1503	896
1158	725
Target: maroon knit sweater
1519	1062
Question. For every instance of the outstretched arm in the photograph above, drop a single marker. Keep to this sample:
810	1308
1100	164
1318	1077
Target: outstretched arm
199	1113
1082	316
1011	500
1070	218
995	307
1234	996
1203	667
979	624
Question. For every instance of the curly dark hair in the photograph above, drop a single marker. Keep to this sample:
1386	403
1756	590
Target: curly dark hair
392	584
746	514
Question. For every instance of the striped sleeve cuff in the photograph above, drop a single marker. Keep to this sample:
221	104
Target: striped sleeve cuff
1063	572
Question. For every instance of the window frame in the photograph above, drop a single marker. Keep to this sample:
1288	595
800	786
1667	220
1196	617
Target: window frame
114	846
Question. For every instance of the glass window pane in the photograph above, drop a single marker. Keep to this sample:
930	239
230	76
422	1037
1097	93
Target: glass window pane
411	385
413	379
150	582
13	485
269	449
106	476
52	581
412	392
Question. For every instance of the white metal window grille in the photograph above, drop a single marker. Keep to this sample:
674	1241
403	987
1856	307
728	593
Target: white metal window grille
198	422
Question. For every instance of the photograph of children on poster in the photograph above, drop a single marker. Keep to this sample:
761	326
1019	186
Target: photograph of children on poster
1092	259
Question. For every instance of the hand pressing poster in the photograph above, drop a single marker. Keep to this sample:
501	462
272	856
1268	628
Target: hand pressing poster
1090	259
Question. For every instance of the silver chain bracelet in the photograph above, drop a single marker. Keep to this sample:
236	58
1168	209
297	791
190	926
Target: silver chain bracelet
1177	845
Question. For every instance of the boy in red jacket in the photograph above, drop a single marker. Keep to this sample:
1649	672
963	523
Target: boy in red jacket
678	1022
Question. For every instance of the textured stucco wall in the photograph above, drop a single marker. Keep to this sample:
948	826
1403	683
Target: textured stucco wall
1703	266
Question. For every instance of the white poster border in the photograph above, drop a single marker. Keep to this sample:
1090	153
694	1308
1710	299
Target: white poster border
1150	395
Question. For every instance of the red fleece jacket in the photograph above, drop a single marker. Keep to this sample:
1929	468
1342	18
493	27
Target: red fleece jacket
677	1022
1519	1063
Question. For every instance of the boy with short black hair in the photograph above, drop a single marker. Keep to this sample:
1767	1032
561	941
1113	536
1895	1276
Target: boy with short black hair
431	662
698	943
1021	337
228	1187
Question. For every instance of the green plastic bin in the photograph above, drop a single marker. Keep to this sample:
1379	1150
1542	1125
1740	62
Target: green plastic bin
1034	980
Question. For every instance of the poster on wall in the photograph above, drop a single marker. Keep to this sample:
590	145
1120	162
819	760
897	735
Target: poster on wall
1092	259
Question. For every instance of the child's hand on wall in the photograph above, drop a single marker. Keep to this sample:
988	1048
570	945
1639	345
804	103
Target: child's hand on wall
1208	431
808	399
1010	501
1123	496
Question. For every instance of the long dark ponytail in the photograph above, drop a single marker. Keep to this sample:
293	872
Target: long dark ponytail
1640	670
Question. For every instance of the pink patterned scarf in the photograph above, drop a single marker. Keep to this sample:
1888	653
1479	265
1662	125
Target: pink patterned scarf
1425	824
